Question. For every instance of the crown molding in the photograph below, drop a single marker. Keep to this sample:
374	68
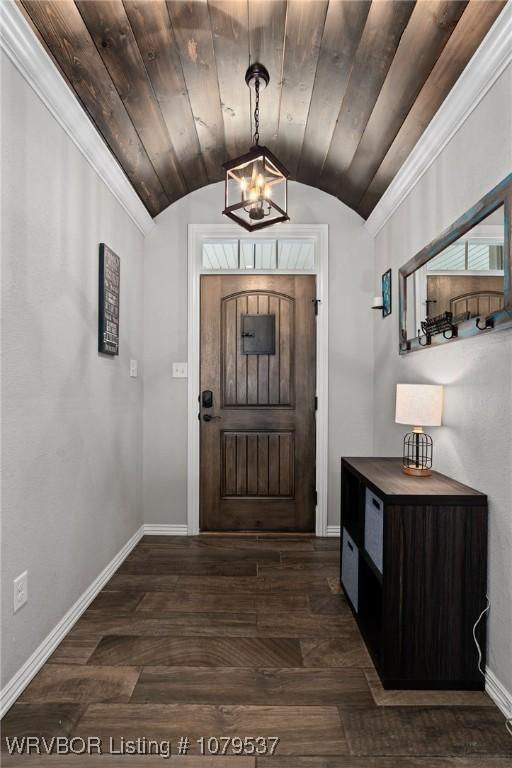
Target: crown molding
30	58
486	65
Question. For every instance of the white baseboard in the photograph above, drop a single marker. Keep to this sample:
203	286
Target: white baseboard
333	530
155	529
23	676
498	693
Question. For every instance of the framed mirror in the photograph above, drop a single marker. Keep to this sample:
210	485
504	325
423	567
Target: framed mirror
460	284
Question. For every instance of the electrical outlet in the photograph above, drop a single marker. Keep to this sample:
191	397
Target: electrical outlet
134	368
179	370
20	595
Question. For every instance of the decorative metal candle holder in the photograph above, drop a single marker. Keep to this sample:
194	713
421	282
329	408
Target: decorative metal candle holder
417	454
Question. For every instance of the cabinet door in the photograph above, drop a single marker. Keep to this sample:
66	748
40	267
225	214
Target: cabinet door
434	590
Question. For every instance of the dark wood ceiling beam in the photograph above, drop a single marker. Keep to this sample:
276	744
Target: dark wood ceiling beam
267	23
190	20
467	36
429	29
155	38
110	29
342	32
230	21
63	31
304	28
384	27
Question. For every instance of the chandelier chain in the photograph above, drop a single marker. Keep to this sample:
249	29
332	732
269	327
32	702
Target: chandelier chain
257	113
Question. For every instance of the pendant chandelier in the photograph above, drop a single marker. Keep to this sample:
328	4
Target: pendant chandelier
256	184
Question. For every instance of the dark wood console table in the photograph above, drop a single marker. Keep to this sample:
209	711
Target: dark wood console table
414	569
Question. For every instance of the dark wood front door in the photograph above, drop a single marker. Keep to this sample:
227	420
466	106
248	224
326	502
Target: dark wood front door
258	361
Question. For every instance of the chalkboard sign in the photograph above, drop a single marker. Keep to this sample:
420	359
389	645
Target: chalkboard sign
109	279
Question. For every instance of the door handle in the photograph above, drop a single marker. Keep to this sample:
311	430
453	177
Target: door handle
207	417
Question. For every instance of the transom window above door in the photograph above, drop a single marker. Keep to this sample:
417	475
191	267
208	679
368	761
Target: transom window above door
233	254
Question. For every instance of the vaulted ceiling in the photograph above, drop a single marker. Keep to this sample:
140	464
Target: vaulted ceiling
353	83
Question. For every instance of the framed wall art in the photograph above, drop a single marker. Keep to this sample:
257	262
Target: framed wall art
108	315
386	293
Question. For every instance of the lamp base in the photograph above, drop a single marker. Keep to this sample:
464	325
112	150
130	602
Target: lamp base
417	455
417	471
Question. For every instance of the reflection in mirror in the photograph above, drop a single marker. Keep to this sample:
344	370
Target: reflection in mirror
465	279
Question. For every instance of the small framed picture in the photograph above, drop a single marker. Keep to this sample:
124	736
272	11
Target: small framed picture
386	293
108	315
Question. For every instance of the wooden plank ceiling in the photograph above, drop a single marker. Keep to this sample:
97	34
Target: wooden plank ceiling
353	83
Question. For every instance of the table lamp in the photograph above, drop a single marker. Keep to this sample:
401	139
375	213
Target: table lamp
420	405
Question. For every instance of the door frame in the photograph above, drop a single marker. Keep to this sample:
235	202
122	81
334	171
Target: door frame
197	233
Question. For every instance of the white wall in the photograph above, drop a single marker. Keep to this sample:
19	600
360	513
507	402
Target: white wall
165	341
72	419
475	443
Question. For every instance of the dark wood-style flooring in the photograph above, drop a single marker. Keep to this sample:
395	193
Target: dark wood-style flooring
242	636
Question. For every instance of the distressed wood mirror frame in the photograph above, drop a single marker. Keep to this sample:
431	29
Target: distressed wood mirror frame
501	195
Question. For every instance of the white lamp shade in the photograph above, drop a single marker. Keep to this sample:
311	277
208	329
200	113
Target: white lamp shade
419	405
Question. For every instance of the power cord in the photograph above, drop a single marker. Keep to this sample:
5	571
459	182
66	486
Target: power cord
482	672
508	721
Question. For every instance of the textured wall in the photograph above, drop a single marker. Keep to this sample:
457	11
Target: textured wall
72	419
474	445
165	341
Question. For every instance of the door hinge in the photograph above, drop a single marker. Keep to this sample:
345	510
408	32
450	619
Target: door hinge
316	302
316	403
315	497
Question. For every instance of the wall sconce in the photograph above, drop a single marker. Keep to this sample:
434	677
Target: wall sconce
377	302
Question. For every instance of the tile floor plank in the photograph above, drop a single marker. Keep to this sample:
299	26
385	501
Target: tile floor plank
351	761
292	566
74	649
42	720
410	698
282	580
303	624
124	761
233	585
143	582
116	600
178	623
422	731
68	683
328	605
346	650
189	567
198	652
206	602
210	549
300	729
327	556
304	687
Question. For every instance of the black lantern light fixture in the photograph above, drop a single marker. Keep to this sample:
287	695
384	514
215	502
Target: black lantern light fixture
256	184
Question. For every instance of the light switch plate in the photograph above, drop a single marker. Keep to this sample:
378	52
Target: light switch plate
179	370
134	368
20	593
